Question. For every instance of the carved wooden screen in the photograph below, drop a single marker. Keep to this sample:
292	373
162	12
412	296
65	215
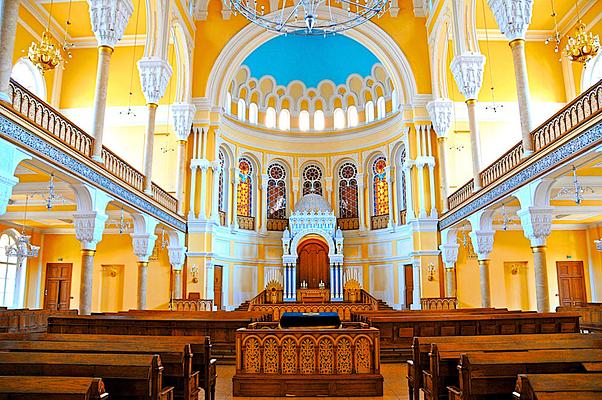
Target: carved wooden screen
348	192
380	188
313	264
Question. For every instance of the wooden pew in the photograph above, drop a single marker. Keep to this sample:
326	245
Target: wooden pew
591	316
26	320
126	376
444	357
494	374
558	387
175	361
363	316
203	365
51	388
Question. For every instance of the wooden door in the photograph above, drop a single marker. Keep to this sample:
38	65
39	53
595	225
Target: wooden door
217	286
57	292
313	265
571	283
409	284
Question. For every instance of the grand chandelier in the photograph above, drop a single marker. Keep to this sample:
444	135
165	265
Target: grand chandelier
311	17
584	46
577	189
45	55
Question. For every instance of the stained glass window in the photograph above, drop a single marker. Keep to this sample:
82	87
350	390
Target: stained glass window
402	195
220	193
381	189
244	194
348	191
276	192
312	180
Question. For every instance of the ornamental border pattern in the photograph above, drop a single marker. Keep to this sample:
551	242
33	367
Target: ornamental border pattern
545	164
70	164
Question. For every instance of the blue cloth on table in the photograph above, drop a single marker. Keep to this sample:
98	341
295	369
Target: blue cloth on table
310	320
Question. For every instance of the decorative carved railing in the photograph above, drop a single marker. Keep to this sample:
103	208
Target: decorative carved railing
28	321
274	224
191	305
343	309
348	224
379	221
574	114
439	303
222	218
502	165
36	111
460	195
367	298
246	223
50	120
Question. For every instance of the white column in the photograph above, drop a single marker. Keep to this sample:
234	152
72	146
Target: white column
216	166
514	18
183	114
441	111
421	201
192	202
177	256
209	280
390	190
143	242
360	201
204	166
430	162
264	202
8	31
468	69
482	242
449	254
154	76
407	170
417	279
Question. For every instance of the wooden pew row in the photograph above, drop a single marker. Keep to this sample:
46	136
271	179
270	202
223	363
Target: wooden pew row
363	316
397	333
51	388
591	316
221	331
444	357
172	360
558	387
422	352
494	374
203	364
26	320
256	316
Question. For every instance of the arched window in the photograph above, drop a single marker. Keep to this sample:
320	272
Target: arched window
228	104
352	118
244	193
593	73
241	110
319	120
253	113
284	120
348	200
380	187
221	203
9	274
270	118
369	111
380	107
276	192
339	119
303	121
394	100
29	77
312	180
402	188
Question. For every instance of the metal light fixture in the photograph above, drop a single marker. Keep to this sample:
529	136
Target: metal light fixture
506	217
431	272
52	197
577	189
45	55
311	17
598	244
555	38
467	244
585	45
122	224
22	249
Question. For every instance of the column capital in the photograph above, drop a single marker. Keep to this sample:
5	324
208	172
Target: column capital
109	19
154	76
536	223
482	241
183	114
143	244
441	113
513	16
177	255
89	226
468	69
449	253
216	166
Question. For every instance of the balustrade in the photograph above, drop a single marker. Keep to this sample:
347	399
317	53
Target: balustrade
276	224
379	221
191	305
439	303
348	224
246	223
222	218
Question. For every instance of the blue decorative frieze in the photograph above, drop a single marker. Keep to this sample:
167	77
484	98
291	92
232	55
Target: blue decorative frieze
548	162
36	144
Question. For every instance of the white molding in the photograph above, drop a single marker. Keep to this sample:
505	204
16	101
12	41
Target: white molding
494	34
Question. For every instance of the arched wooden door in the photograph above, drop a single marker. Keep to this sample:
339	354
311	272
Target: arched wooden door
313	265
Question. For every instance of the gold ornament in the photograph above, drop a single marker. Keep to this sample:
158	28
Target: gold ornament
584	46
45	55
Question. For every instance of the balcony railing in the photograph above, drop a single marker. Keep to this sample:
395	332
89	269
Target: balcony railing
246	223
36	111
573	115
379	221
348	224
222	218
276	224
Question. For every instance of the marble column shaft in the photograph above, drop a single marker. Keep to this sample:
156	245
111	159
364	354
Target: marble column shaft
177	284
180	175
485	284
475	143
85	289
8	31
442	142
148	148
100	99
523	93
541	278
450	281
142	284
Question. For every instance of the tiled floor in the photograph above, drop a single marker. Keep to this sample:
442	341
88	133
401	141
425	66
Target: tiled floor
396	387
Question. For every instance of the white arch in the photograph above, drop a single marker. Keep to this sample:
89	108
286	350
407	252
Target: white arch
368	34
312	231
